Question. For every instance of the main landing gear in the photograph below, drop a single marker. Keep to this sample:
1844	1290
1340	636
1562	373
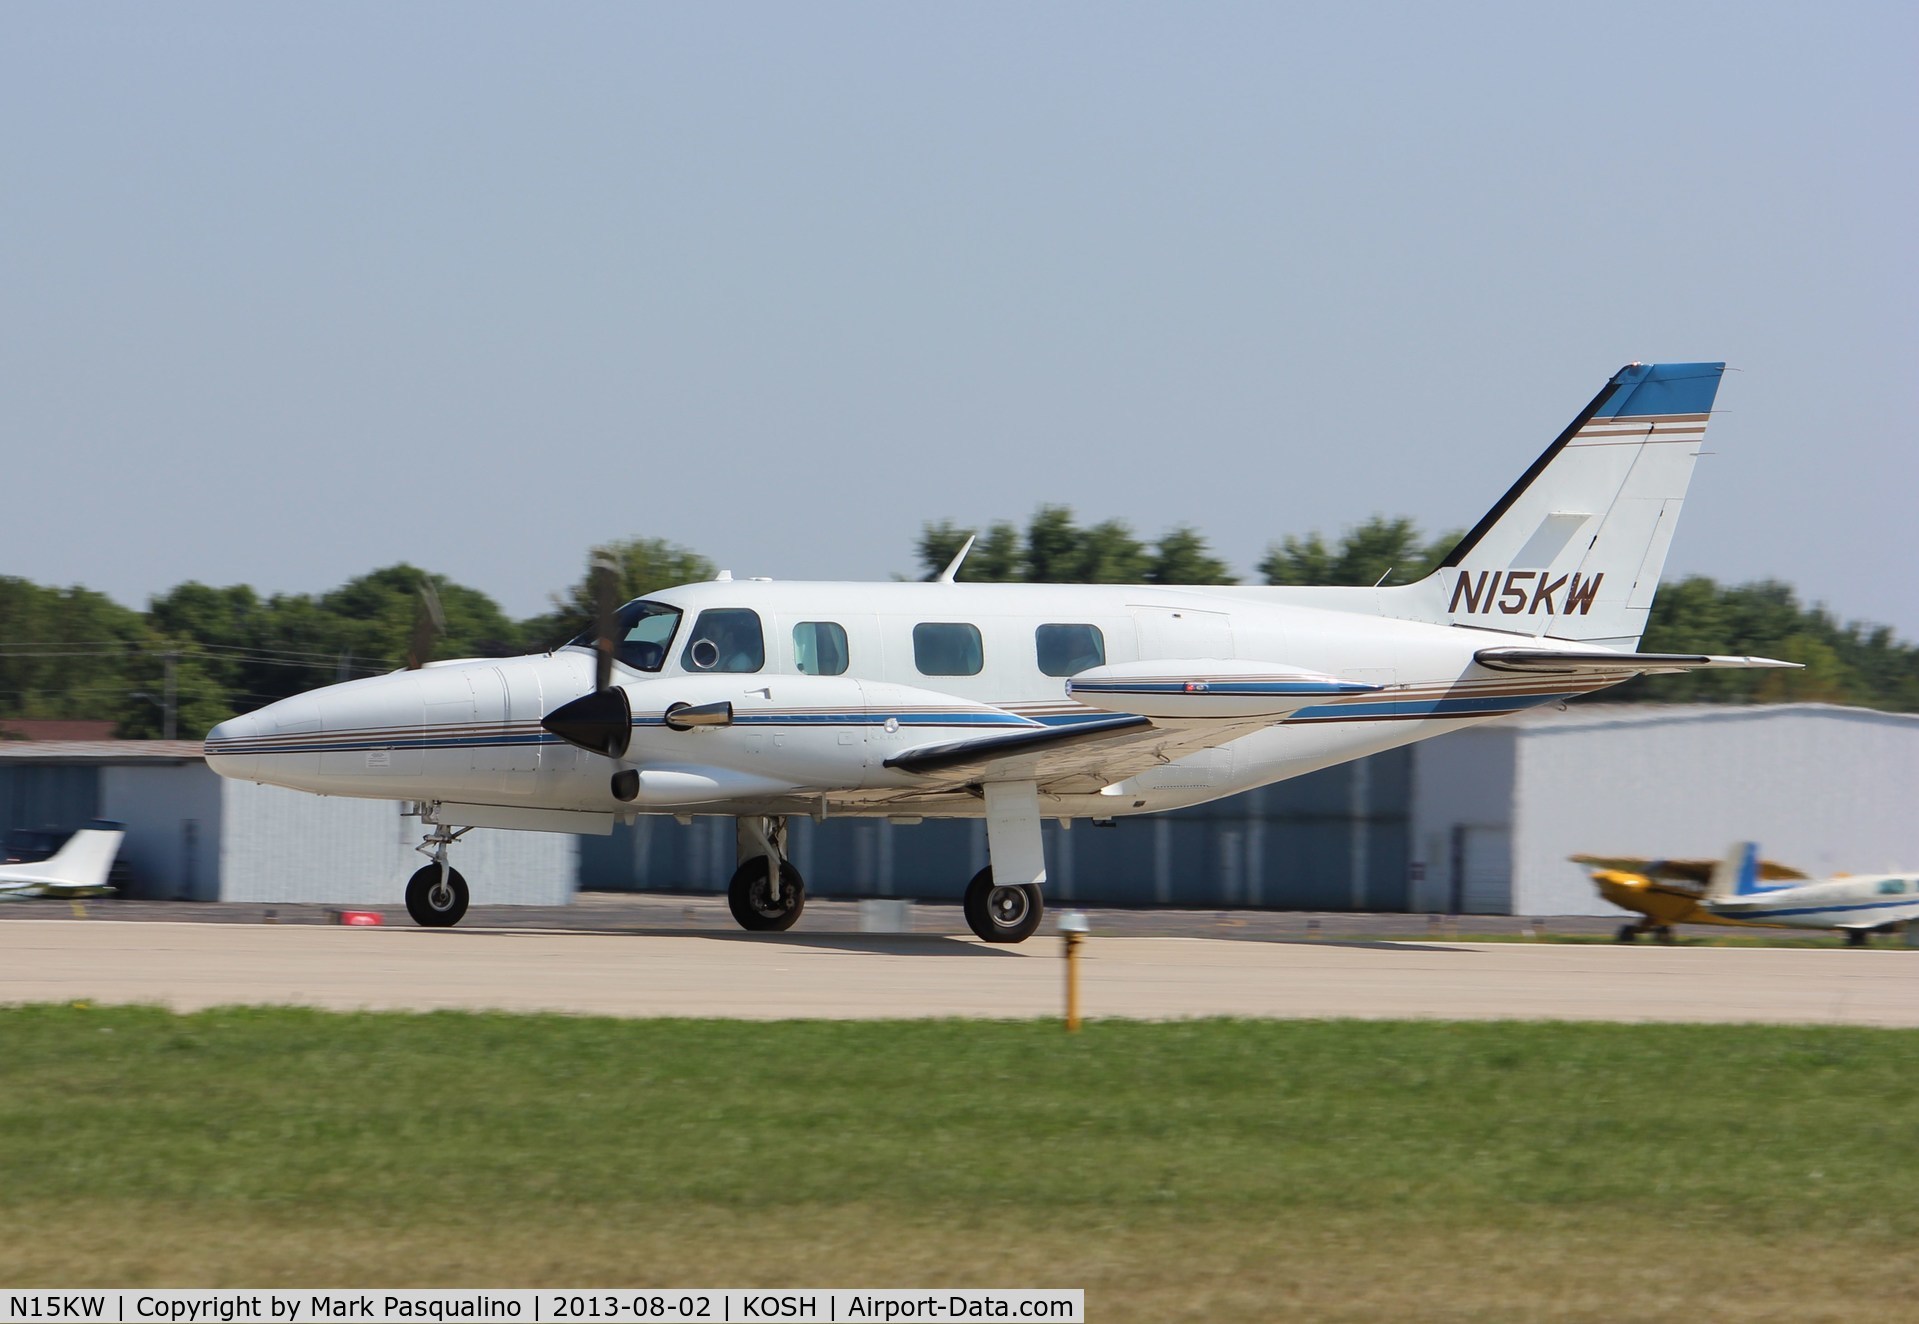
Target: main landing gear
1630	932
436	895
758	905
1002	904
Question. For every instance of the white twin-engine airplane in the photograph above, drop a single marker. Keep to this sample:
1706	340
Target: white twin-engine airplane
1012	702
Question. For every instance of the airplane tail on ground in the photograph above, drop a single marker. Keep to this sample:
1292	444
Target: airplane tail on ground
80	864
1737	874
1574	550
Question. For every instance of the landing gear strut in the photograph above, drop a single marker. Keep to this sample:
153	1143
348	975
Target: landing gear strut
436	895
758	905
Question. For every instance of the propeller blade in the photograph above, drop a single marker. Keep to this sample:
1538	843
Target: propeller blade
599	723
606	604
429	622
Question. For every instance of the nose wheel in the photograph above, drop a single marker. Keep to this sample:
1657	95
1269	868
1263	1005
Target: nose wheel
436	897
757	906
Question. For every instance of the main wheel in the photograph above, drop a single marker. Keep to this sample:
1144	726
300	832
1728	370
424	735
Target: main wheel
1857	937
1002	914
753	904
1627	933
433	901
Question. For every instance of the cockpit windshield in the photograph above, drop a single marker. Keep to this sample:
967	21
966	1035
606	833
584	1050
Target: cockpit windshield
642	632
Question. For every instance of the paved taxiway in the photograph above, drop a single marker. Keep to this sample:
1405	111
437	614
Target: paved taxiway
193	965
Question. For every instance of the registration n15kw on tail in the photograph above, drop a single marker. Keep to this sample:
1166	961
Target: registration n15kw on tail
1011	702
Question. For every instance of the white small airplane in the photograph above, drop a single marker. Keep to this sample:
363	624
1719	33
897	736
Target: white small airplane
79	868
1855	904
1012	702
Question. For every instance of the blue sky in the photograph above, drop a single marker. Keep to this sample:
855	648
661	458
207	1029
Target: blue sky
288	293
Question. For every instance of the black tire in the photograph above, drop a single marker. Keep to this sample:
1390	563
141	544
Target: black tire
1002	914
1627	933
431	906
1857	938
754	908
1665	934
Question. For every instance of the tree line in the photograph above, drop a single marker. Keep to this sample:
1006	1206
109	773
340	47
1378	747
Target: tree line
198	654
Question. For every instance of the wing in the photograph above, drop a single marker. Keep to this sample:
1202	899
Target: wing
1679	871
1069	760
1078	759
1618	666
1165	711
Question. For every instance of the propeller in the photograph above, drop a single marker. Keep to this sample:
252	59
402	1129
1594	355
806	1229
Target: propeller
605	580
600	722
429	623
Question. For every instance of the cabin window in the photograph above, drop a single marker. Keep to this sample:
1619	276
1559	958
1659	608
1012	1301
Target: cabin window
1066	650
819	648
642	632
948	649
1892	887
725	639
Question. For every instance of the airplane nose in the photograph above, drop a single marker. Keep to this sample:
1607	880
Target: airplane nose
230	747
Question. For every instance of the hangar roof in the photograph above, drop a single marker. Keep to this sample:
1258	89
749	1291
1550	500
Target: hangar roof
1580	716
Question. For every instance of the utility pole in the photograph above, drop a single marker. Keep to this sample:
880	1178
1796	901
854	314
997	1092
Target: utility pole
171	720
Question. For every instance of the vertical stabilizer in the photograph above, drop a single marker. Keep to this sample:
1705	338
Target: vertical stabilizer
1575	549
1737	874
81	863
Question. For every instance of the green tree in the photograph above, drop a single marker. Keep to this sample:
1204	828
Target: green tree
1381	547
646	565
64	652
1182	557
997	556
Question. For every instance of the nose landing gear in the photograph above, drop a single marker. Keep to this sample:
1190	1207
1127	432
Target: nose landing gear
436	895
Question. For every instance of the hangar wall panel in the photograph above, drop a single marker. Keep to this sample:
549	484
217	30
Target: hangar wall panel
1823	789
282	845
1462	821
48	795
172	812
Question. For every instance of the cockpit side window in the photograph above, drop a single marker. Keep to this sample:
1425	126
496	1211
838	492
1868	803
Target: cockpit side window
725	639
642	633
819	648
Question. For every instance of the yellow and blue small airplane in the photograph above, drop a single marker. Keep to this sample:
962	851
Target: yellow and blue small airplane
1668	892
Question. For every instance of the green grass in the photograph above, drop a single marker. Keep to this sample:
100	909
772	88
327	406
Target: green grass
1208	1169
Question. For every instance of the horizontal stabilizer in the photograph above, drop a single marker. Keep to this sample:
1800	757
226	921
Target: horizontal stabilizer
1566	662
955	755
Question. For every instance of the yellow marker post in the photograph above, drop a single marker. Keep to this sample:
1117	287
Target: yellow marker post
1073	928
